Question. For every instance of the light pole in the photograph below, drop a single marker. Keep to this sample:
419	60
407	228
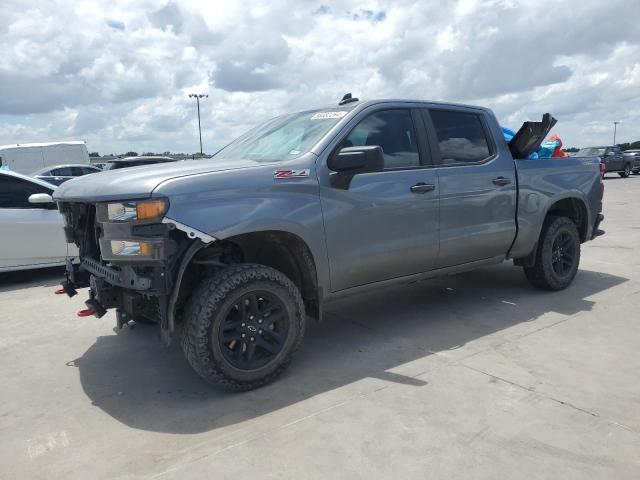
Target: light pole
198	96
615	127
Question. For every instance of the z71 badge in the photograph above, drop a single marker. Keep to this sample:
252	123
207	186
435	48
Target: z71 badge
283	174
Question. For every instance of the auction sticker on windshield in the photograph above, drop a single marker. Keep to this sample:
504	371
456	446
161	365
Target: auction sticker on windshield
325	115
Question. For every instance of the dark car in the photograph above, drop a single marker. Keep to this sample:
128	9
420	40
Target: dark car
135	162
611	157
633	156
61	173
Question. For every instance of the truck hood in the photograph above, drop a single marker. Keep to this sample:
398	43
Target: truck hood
139	182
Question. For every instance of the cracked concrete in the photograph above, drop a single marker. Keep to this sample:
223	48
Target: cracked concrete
475	375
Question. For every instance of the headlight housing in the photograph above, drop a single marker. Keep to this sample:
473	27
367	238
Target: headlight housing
121	238
136	210
152	249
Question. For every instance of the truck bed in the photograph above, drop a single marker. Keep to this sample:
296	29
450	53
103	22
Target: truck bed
544	181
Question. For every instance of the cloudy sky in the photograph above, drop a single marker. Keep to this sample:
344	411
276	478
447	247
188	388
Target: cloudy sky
117	73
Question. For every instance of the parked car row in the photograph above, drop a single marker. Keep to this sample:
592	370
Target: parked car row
61	173
32	228
614	160
633	157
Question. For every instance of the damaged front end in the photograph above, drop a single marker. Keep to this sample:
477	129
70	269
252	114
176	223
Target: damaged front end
129	256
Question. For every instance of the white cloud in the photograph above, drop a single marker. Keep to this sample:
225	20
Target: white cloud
118	74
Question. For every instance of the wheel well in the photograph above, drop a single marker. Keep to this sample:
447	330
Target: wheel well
575	209
280	250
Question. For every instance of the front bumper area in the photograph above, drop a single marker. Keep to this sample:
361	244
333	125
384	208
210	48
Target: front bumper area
132	293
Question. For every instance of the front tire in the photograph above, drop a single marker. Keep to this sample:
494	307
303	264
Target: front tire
627	171
558	255
243	325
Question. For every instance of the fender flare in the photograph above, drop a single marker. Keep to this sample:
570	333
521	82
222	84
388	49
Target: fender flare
571	195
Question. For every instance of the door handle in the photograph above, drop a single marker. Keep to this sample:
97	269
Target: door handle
501	181
422	187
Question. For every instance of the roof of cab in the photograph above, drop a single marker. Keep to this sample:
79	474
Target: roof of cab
366	103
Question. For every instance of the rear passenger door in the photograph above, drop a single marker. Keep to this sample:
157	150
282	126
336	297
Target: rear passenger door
477	186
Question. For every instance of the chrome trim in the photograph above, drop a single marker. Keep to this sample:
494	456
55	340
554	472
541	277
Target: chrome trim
191	232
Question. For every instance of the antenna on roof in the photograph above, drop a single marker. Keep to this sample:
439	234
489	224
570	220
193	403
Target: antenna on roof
347	98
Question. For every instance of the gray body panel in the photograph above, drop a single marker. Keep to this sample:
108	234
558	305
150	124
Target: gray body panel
477	217
376	231
139	182
226	203
544	181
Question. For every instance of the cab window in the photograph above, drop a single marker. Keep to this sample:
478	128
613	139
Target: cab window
394	132
461	137
15	192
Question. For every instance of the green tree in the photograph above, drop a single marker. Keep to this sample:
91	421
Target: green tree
131	154
94	154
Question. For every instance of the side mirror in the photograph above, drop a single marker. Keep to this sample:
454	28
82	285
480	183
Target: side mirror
40	199
368	158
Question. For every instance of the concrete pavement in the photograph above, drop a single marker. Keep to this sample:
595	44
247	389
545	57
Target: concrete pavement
471	376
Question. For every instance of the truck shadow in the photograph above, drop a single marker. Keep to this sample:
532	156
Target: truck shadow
42	277
144	385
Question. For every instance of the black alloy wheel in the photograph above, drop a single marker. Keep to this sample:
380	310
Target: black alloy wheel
253	330
242	326
563	254
557	255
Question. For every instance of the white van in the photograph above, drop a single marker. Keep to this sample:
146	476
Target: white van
26	158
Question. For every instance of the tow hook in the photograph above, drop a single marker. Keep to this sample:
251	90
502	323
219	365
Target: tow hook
67	287
93	308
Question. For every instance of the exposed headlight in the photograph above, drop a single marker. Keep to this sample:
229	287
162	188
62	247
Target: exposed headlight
130	249
132	211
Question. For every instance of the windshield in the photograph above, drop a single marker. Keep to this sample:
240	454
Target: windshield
283	138
587	152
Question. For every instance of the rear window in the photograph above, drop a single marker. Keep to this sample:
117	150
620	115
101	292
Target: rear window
591	151
62	172
461	137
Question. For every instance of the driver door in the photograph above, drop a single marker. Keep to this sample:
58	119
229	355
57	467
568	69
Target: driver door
382	225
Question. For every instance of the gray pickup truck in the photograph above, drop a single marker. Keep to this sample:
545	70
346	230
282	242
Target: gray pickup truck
611	157
231	255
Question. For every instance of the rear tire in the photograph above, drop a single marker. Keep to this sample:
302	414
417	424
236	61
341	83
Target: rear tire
627	171
243	325
558	255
